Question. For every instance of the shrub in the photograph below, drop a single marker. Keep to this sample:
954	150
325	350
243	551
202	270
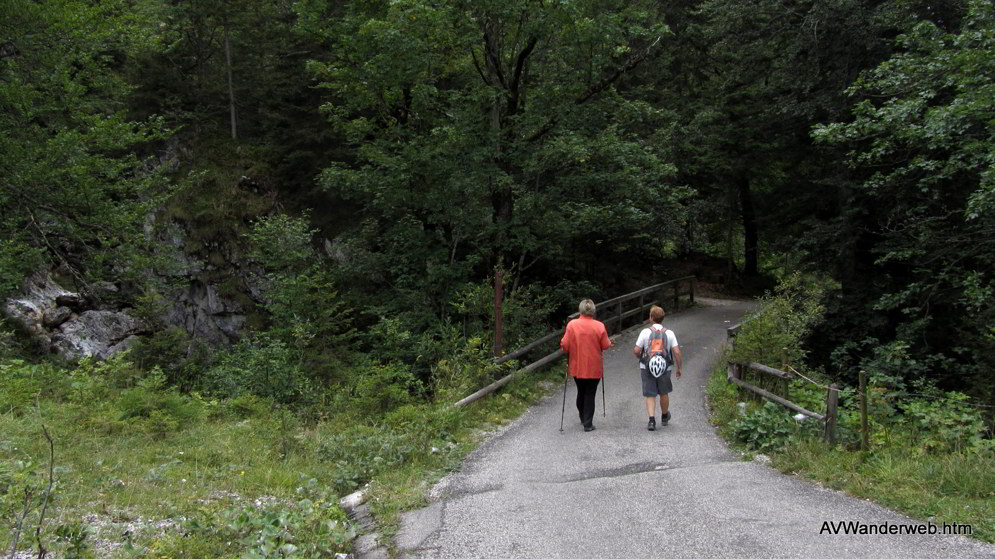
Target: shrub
262	365
525	310
764	429
361	452
465	371
377	388
314	526
156	409
245	406
946	425
24	383
172	350
774	334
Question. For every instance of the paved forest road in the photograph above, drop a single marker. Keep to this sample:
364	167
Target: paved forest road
624	492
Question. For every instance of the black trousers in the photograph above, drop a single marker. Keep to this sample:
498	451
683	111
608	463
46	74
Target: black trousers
587	389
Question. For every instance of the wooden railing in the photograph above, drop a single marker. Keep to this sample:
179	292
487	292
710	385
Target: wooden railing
737	372
613	313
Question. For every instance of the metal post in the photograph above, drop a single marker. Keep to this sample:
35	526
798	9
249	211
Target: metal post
619	316
677	295
693	281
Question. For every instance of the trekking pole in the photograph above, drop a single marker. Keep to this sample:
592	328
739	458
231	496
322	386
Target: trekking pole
604	409
564	408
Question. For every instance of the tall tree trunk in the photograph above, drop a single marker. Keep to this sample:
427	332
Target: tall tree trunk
750	233
499	310
231	86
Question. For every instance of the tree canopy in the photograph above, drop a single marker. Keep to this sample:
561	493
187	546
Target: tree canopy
572	147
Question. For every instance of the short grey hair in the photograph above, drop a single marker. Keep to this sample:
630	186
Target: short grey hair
587	307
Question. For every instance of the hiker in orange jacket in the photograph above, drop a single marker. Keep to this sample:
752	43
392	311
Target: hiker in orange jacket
584	340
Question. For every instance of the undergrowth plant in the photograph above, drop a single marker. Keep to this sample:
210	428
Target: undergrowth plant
930	452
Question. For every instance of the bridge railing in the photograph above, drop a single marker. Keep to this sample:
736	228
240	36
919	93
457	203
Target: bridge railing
612	312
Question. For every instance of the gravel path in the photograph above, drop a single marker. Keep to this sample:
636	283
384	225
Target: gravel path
622	491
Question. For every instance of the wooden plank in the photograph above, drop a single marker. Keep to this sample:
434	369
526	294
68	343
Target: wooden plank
733	331
522	351
777	399
641	310
643	291
769	370
505	380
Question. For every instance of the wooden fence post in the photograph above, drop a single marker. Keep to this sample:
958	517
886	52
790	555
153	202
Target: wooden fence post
865	433
498	311
832	400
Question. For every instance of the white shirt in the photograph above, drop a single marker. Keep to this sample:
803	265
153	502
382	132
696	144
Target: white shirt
643	341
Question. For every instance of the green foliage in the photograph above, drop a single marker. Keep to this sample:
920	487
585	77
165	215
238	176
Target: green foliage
946	425
920	144
18	259
765	429
172	350
304	306
464	372
314	526
24	384
74	538
75	186
22	495
377	388
484	135
282	243
262	365
775	334
525	310
362	452
158	411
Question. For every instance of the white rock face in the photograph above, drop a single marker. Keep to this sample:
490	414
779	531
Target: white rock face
41	311
99	333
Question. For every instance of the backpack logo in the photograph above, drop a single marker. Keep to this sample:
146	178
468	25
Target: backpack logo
658	359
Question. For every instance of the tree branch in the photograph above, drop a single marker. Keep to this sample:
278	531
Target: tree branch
42	550
492	54
517	77
602	85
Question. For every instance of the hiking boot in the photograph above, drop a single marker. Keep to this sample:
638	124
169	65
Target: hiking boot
665	419
588	428
651	426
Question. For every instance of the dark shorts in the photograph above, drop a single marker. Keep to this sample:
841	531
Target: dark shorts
655	386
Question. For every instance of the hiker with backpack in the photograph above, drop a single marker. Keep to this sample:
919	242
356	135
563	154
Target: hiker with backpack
658	354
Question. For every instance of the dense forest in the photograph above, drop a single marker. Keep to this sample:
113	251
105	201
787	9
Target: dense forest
380	163
312	202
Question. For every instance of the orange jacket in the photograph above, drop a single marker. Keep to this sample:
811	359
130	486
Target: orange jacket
584	340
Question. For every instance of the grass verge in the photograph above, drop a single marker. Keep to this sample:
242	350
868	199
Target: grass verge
143	471
955	487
